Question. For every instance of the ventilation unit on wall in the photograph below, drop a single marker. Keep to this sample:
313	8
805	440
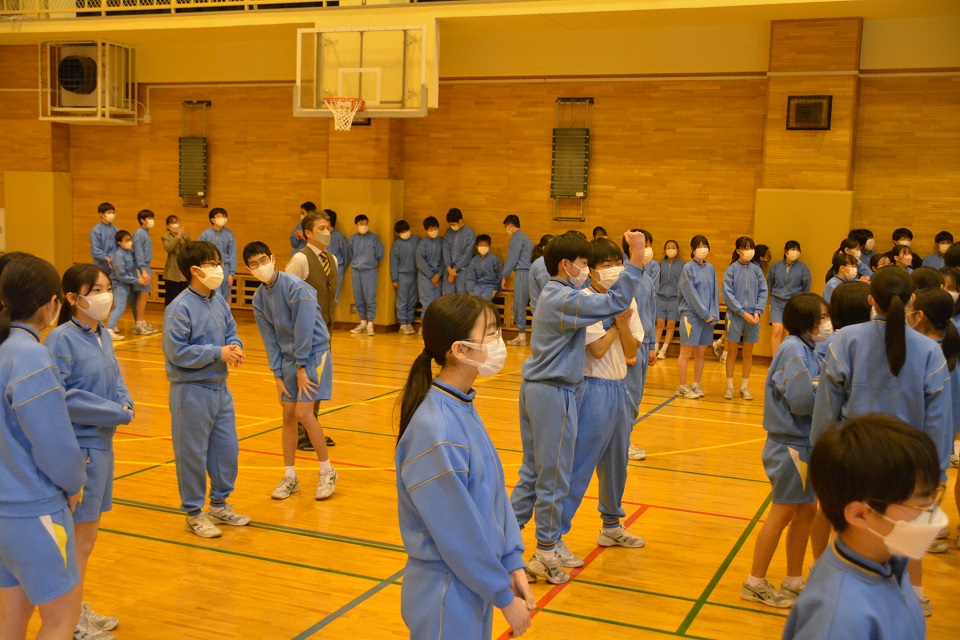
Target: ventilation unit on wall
88	82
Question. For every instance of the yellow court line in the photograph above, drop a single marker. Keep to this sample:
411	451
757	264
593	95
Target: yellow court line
273	467
146	438
699	419
716	446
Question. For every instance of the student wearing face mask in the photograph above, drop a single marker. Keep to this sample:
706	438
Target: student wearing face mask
485	272
173	241
901	256
745	292
667	293
143	256
429	263
102	237
883	366
367	252
844	270
943	241
951	284
220	236
42	469
297	240
850	247
787	278
340	248
699	307
458	245
849	305
548	410
788	404
538	271
876	479
463	545
199	342
123	278
902	237
866	242
518	262
605	406
403	274
97	401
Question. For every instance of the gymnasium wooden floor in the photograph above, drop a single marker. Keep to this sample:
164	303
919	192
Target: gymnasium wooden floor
333	569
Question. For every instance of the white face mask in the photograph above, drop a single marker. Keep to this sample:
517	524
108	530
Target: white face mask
577	280
955	295
793	255
109	217
150	223
363	228
322	238
825	331
219	221
212	277
127	245
747	254
848	274
904	243
433	233
671	253
405	235
608	276
856	253
98	305
869	245
495	356
701	253
174	229
912	538
264	273
647	254
943	247
483	250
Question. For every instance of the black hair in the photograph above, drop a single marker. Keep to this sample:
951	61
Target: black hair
512	219
647	239
860	235
803	313
791	244
924	277
431	223
849	304
696	241
120	235
568	246
400	226
597	230
454	215
194	254
891	290
901	233
576	233
944	236
761	251
874	458
104	207
360	218
448	319
217	211
171	219
308	207
482	238
840	259
602	250
26	284
743	242
255	248
79	279
949	273
9	257
540	246
898	252
144	214
333	217
875	260
937	306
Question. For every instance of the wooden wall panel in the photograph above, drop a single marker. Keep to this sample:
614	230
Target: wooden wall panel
815	45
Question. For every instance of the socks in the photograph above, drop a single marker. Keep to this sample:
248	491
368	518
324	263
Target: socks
729	383
755	582
744	384
611	527
290	472
548	554
919	591
325	466
793	582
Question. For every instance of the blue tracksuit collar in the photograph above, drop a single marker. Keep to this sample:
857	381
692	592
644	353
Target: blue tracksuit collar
27	328
198	294
456	393
84	327
809	343
896	565
273	283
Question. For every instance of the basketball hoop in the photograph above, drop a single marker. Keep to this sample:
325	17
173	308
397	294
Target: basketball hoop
343	110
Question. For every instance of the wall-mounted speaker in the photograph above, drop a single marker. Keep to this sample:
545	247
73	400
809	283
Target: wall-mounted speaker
809	112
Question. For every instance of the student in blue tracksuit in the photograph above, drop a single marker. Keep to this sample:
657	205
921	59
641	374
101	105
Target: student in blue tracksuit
41	467
297	343
122	279
788	405
403	274
458	250
538	271
340	248
605	409
866	242
745	292
951	284
645	299
943	242
902	256
518	261
226	244
199	342
548	411
485	271
786	278
297	241
876	480
97	401
463	545
851	247
143	256
699	307
844	270
902	237
103	237
848	305
429	264
367	252
667	296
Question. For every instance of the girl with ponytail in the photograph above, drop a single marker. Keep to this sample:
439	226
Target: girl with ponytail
458	528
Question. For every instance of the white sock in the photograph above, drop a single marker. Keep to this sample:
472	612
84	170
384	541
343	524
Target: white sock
744	384
550	555
794	582
363	323
755	582
729	383
919	591
325	465
290	472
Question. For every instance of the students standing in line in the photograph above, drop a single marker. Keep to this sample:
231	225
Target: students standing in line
787	278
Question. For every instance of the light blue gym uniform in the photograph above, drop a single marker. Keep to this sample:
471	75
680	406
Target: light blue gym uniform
855	379
142	255
458	251
297	243
367	252
123	278
652	269
744	291
668	289
40	465
548	410
103	240
429	264
227	246
785	281
340	248
851	597
204	425
294	335
484	276
787	412
459	532
934	261
403	271
865	259
646	300
96	397
538	280
697	300
832	284
518	260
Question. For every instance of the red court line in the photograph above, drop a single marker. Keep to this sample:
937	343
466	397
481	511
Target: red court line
590	557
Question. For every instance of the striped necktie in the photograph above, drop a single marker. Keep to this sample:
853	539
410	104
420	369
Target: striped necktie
325	262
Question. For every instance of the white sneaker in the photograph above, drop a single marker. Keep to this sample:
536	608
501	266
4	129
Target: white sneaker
723	358
370	329
100	621
926	606
745	394
954	460
285	487
697	389
765	594
635	453
86	630
151	328
552	571
718	347
116	336
360	328
790	592
200	524
662	354
519	341
567	557
140	330
728	393
619	537
407	329
325	486
226	515
686	392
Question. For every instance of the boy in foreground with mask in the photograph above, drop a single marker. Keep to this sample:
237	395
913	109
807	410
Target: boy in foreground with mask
199	341
877	480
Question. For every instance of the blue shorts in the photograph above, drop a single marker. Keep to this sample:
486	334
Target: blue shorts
695	332
97	496
776	310
739	330
37	554
320	372
144	287
667	310
786	466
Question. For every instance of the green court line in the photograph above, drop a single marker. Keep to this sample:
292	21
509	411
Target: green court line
747	609
702	600
617	623
698	473
618	587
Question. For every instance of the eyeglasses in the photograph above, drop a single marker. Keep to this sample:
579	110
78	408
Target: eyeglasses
485	339
262	262
931	509
211	263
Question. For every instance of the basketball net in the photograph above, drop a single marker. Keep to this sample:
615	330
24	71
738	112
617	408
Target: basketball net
343	110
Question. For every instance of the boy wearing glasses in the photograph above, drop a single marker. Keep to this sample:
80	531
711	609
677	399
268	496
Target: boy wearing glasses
878	482
199	341
298	352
